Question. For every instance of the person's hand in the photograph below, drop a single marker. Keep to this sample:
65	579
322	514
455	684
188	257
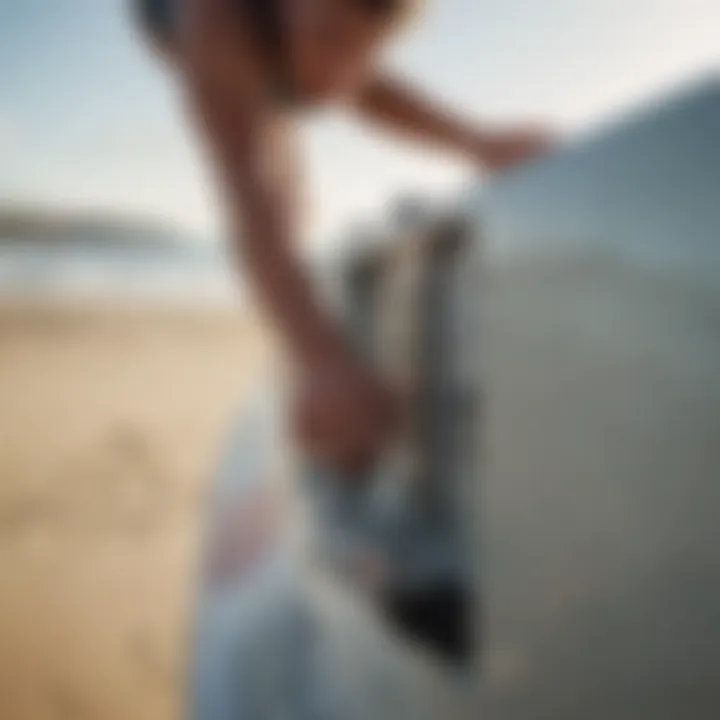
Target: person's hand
505	149
344	414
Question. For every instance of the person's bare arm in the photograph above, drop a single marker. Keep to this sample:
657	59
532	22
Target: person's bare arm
248	152
342	411
396	106
248	146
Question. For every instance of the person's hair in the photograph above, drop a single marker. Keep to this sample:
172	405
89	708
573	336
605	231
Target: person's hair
156	20
390	10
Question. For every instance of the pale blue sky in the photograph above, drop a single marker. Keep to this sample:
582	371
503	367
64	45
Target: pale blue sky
87	119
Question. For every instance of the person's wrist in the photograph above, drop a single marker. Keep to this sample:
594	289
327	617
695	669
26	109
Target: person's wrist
322	348
480	145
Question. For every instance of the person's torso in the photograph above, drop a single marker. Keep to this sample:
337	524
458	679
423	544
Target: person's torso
265	21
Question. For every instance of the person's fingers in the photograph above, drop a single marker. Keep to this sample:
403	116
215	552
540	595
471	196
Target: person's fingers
325	436
352	448
347	429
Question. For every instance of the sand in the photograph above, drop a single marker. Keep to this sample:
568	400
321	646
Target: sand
109	424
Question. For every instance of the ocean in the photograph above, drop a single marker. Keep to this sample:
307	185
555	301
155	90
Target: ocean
80	271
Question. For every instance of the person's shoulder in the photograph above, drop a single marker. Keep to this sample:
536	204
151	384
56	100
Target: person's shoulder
222	49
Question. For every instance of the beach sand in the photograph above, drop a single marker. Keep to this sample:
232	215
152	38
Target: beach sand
109	425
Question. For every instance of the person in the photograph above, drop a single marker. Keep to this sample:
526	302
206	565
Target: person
246	66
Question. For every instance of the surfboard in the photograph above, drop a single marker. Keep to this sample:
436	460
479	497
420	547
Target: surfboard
405	533
287	623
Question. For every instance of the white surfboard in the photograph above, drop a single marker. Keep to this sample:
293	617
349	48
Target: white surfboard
275	636
403	532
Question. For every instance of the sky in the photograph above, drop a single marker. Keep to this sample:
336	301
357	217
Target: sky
88	119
